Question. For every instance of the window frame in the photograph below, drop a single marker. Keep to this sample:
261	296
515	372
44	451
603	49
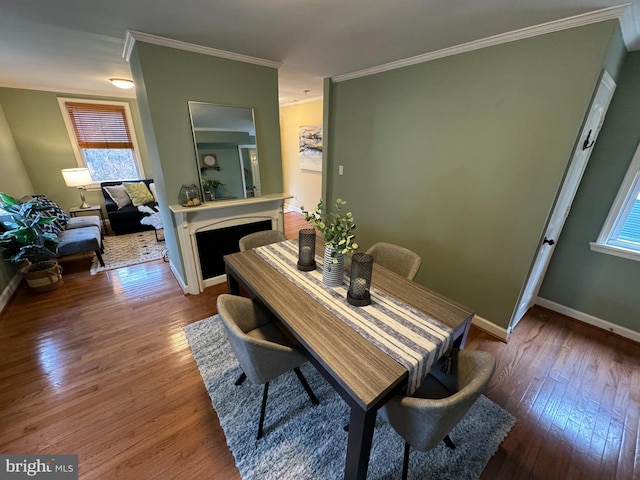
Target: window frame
607	241
74	142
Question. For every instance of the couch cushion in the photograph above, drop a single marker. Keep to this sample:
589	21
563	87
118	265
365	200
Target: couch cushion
84	221
52	210
119	195
139	193
78	240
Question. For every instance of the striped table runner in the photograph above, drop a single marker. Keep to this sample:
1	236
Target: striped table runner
410	337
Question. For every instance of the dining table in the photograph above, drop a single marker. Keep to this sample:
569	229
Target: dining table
361	372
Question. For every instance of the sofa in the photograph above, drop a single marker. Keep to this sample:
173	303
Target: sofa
124	214
75	235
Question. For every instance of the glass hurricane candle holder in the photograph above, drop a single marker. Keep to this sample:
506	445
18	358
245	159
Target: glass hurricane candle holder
360	284
307	249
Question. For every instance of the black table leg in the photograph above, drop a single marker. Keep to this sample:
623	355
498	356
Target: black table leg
361	425
233	285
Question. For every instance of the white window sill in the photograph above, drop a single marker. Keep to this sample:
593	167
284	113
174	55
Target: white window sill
616	251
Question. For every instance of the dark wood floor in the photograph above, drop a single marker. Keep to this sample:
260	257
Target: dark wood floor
101	368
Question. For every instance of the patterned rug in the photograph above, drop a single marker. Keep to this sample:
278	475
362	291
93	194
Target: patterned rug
126	250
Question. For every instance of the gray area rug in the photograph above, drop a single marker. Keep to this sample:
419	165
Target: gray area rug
126	250
305	442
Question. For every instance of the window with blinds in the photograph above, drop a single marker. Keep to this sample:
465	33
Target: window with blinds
103	139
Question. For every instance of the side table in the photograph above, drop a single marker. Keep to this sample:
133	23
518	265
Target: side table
94	208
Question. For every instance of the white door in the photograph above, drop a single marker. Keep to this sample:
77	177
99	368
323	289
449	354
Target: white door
579	160
255	170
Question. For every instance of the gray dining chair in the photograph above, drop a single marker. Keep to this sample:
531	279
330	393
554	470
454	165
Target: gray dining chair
258	239
396	258
425	418
263	351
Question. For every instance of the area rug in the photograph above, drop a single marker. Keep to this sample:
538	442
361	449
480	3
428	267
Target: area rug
302	441
126	250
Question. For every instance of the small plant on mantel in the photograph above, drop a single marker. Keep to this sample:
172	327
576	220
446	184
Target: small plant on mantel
212	186
336	227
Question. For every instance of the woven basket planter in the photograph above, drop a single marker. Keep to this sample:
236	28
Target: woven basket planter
43	279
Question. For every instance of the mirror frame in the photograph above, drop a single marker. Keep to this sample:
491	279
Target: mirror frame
199	155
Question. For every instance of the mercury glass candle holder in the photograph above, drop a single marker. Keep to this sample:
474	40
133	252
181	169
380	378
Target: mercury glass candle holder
307	249
360	284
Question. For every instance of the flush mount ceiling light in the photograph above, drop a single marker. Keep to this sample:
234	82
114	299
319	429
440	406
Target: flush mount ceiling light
122	83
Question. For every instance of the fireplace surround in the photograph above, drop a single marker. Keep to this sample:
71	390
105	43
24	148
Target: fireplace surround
214	228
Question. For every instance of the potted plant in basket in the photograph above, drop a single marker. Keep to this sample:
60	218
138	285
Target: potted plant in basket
337	230
26	240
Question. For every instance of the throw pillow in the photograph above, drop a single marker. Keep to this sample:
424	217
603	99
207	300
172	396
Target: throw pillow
152	187
139	193
119	195
52	209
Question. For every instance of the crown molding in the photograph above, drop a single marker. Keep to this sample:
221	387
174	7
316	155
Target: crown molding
132	36
589	18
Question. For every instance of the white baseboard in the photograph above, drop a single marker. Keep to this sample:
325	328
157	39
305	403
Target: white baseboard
589	319
490	327
183	285
6	294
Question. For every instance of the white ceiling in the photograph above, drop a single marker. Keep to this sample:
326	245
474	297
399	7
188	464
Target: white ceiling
76	45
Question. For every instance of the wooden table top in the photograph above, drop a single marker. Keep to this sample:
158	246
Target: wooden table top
360	368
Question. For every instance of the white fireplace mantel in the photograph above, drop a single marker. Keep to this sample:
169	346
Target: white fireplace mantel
215	215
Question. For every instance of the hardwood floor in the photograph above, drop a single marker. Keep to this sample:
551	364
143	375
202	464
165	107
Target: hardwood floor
101	368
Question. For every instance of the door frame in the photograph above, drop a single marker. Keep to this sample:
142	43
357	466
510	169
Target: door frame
564	198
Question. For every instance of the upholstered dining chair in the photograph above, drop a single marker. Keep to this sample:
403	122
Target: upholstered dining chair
425	419
258	239
262	349
396	258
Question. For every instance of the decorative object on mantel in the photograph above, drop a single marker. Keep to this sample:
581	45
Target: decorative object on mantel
210	188
337	230
189	196
361	268
307	249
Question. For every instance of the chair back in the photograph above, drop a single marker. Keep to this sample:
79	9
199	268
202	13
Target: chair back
424	422
258	239
396	258
261	349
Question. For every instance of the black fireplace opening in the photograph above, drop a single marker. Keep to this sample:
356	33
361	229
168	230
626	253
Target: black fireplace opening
213	245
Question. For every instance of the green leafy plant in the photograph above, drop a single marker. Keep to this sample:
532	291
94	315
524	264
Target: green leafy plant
26	238
336	227
209	185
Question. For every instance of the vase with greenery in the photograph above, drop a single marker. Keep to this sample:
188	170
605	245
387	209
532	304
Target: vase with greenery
211	187
337	228
26	240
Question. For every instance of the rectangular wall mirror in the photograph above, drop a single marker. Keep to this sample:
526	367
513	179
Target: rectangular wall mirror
226	154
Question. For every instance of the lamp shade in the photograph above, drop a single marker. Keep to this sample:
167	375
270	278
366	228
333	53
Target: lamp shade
77	177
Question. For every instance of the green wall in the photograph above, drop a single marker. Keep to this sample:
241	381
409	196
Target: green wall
460	158
166	79
598	284
41	137
14	181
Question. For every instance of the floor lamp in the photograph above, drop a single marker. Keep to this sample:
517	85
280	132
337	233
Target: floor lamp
78	177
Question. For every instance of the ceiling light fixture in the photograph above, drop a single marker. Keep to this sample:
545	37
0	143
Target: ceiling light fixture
122	82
